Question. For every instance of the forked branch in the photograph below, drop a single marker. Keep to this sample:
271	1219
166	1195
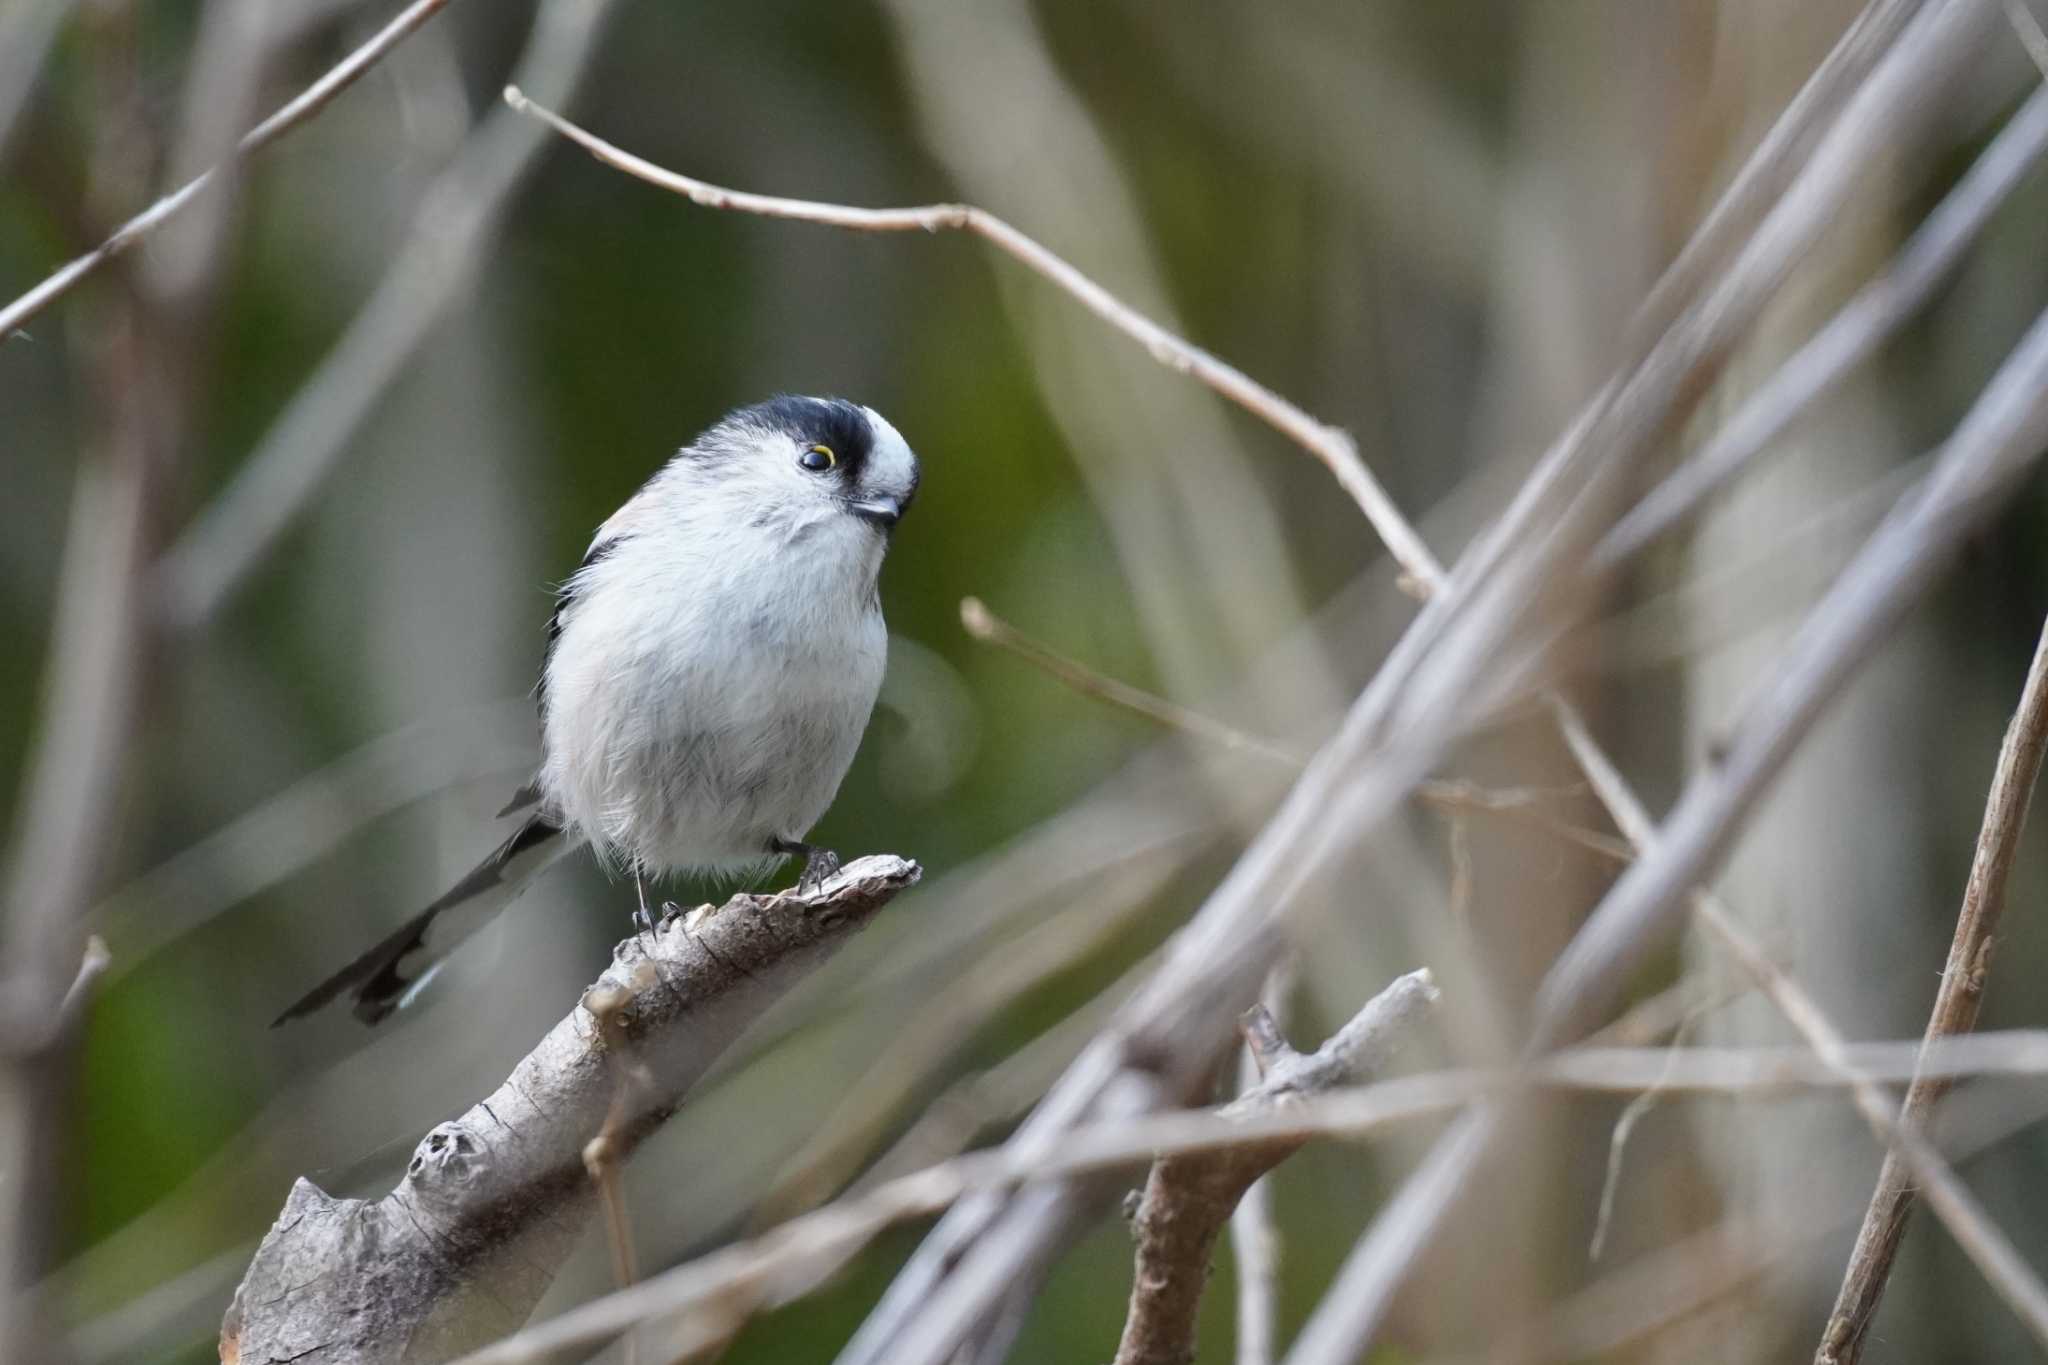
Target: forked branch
1189	1198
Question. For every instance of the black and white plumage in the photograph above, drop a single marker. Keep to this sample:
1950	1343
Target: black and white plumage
710	669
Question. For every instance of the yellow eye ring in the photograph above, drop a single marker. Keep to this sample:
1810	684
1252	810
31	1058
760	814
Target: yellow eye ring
818	459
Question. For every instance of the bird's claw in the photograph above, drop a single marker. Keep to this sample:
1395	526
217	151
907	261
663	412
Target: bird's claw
643	923
670	913
820	866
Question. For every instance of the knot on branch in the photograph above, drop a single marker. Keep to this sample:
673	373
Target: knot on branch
443	1163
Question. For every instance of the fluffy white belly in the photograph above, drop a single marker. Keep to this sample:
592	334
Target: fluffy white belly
692	727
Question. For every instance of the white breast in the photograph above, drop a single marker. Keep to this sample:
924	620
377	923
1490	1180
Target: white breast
707	692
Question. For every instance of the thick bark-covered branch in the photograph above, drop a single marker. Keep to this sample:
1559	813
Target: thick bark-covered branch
1189	1197
491	1203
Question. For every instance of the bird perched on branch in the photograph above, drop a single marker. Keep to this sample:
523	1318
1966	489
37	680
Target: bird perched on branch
710	668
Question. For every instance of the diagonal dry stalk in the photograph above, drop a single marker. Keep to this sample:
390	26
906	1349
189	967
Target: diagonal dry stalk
1852	336
1558	509
607	1004
294	112
1521	804
1995	445
96	679
700	1297
444	247
1956	1006
1328	444
1254	1231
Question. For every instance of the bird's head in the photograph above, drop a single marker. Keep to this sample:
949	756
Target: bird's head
801	461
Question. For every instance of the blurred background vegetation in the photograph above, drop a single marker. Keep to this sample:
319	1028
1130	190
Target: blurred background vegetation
1426	223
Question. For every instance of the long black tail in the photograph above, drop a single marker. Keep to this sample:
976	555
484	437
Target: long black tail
381	977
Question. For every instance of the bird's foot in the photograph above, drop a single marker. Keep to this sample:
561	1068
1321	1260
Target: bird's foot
670	913
819	864
644	930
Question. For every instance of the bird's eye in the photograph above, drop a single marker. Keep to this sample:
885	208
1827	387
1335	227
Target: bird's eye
818	459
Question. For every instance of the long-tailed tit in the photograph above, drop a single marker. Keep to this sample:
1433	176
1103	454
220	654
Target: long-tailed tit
710	668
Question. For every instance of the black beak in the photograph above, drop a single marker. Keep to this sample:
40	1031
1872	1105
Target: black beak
884	512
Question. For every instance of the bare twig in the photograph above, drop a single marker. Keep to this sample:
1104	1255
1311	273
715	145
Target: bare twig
946	1023
1254	1232
460	1251
1660	1016
1956	1006
1428	688
1340	793
307	103
1850	337
1617	1147
441	255
790	1261
1777	159
1255	1245
1329	444
986	626
1522	804
982	1099
36	1081
1660	1288
309	819
1965	1218
94	683
1995	445
1650	1294
1189	1199
606	1004
1986	454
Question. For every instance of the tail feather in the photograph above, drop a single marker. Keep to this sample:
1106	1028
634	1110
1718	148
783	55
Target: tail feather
382	977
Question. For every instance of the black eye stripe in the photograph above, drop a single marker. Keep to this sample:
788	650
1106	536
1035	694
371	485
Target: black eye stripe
834	423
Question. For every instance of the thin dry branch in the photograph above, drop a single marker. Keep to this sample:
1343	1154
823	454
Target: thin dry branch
1338	792
1254	1229
94	676
792	1260
1333	446
442	252
303	106
458	1254
1428	690
986	626
1966	1220
1889	105
1878	310
1769	169
940	1027
310	819
1661	1288
1521	804
1956	1006
604	1155
1189	1199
